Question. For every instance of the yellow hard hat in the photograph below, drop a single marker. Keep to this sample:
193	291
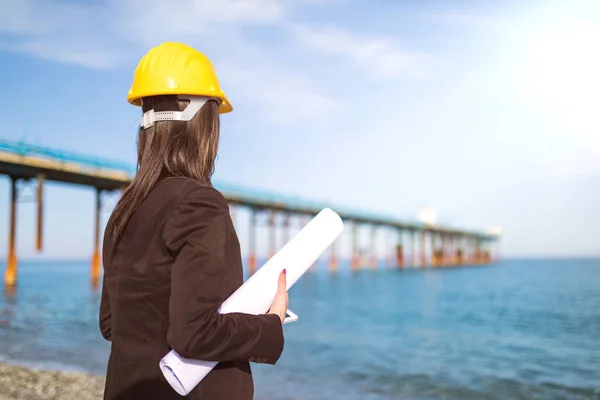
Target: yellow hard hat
175	68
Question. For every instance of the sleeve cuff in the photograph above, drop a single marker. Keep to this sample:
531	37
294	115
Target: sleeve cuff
271	343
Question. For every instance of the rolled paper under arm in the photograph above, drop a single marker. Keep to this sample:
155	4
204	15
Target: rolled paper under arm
257	293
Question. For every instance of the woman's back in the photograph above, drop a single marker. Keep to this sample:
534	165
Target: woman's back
177	260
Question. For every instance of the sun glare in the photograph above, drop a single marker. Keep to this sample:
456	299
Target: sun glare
562	77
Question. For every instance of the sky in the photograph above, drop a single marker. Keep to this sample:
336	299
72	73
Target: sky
485	111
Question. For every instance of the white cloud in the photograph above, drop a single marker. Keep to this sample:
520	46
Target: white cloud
378	55
149	22
43	27
240	10
72	52
57	31
465	19
281	93
284	96
31	18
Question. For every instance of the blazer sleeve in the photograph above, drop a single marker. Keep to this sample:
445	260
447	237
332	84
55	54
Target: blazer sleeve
105	316
196	235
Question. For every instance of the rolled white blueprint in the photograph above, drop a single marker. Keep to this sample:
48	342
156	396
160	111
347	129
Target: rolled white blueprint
257	293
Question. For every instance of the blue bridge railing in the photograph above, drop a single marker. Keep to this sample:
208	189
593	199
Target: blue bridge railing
26	149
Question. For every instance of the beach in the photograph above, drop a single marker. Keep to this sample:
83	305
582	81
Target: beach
19	383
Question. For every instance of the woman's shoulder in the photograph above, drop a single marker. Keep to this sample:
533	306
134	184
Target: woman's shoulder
191	192
200	214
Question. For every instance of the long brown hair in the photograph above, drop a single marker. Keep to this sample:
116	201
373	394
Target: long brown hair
168	149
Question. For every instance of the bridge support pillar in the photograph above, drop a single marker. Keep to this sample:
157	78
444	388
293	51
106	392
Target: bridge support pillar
373	261
456	250
424	249
448	255
392	259
252	243
459	257
415	253
468	250
435	252
96	258
354	264
451	249
333	265
286	228
473	250
487	257
272	231
400	250
10	276
40	213
444	250
399	256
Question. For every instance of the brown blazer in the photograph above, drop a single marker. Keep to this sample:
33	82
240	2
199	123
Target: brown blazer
178	260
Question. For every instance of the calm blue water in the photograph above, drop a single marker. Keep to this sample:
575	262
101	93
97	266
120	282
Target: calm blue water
520	330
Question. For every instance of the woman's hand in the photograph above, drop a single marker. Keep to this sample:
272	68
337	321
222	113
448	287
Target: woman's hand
280	302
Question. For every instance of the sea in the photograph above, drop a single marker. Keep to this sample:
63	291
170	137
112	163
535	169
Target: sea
515	330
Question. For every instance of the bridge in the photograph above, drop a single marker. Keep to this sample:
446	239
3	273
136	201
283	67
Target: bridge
449	246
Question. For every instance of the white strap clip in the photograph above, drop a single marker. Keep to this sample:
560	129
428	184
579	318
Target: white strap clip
196	103
148	119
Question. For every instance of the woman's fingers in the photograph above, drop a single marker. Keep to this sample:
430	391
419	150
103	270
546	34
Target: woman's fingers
282	281
280	302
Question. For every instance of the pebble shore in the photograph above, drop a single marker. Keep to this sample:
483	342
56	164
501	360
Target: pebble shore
18	383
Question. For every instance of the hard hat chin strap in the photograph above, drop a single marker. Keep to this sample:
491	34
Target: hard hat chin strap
196	103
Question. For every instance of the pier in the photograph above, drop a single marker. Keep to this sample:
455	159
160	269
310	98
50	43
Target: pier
415	244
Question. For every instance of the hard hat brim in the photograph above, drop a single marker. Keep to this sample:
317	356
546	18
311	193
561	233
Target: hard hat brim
224	108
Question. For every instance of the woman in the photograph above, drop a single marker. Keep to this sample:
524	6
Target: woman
171	255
